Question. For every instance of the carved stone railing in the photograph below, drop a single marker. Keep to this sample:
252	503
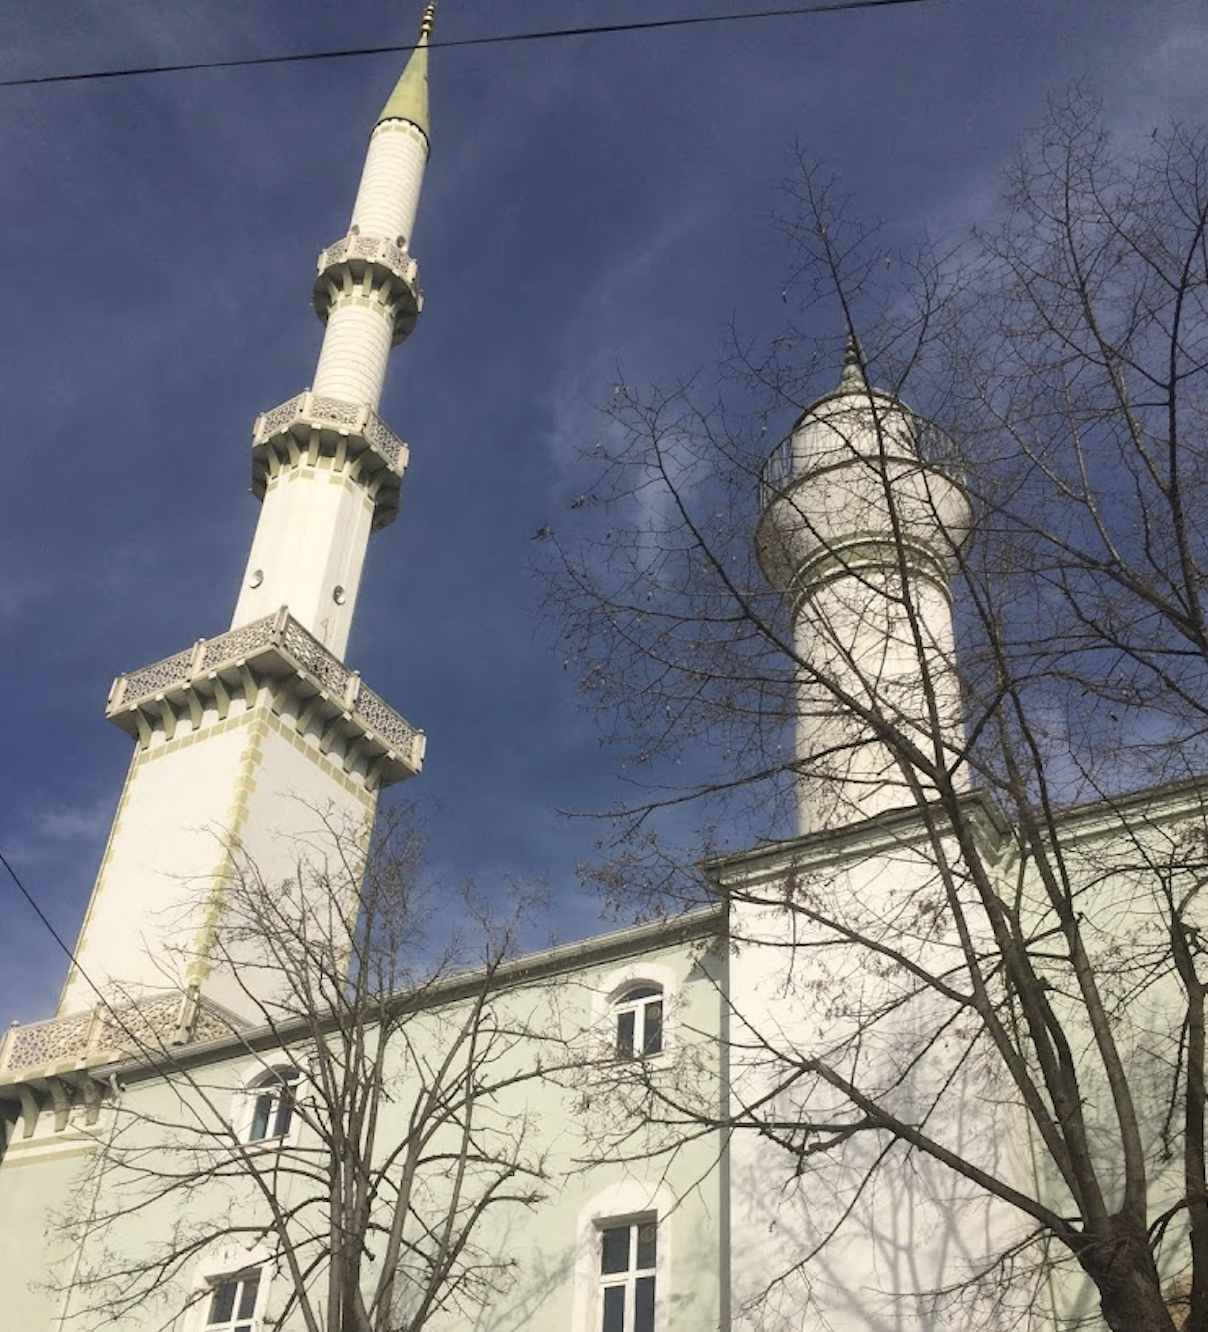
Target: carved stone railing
394	271
934	446
374	249
277	647
104	1034
338	416
309	426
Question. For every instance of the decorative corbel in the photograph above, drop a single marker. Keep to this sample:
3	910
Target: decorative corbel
60	1094
30	1110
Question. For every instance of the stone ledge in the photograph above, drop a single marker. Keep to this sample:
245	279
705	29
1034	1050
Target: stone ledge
353	436
274	650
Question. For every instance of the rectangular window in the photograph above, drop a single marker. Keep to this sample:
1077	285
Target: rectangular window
232	1305
628	1255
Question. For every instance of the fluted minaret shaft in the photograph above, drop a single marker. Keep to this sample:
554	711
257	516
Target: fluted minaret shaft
365	320
861	534
328	469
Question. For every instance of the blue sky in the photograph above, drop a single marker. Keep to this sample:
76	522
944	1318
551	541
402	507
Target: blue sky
590	203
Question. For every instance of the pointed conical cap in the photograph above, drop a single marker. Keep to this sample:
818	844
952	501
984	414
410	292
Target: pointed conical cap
409	100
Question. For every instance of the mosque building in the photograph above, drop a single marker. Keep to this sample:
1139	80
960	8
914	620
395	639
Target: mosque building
167	1151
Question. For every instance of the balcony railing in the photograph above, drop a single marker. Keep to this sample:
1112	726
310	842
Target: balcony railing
391	267
338	416
374	250
935	447
106	1033
281	639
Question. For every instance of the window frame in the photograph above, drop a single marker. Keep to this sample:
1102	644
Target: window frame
626	1202
635	1003
277	1090
629	1279
220	1266
238	1321
263	1081
609	1002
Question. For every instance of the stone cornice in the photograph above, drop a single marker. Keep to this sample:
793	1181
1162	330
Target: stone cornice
327	698
309	428
546	964
893	830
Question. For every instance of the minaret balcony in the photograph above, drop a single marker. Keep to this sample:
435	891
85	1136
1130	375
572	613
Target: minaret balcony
352	436
51	1064
372	267
306	684
785	466
860	484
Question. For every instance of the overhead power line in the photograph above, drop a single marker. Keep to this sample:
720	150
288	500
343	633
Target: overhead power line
545	35
41	915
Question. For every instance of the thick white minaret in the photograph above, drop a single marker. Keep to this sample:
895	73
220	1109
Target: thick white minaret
251	746
860	531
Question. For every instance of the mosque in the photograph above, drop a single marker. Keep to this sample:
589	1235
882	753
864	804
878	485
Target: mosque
609	1136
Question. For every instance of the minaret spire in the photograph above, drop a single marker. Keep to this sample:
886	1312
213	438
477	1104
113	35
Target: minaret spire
853	366
409	100
247	740
311	542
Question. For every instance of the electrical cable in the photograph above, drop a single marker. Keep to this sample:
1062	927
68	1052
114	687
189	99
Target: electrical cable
54	934
152	1055
548	34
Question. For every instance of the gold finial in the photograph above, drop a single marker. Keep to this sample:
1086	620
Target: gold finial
428	22
853	371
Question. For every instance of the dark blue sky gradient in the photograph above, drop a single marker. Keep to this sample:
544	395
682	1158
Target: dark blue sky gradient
590	203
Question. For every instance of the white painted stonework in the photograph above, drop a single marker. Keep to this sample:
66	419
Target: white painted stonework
388	197
309	551
196	810
861	535
356	346
221	782
843	1244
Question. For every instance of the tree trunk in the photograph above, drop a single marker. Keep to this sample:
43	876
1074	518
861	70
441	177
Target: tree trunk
1130	1291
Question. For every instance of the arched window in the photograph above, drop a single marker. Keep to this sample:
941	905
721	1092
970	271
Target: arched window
272	1097
622	1269
639	1021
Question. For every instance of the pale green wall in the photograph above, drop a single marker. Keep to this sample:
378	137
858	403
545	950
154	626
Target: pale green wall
567	1111
38	1179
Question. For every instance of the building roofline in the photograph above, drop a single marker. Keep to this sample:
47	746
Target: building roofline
513	974
909	825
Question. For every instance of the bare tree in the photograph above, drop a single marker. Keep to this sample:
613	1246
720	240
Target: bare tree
359	1140
1039	950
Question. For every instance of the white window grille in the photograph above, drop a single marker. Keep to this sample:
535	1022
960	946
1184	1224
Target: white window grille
273	1096
639	1022
232	1302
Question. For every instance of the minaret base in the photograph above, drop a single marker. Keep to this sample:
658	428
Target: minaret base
295	751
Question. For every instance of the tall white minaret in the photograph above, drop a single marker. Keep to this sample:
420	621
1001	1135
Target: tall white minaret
251	746
324	465
860	531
